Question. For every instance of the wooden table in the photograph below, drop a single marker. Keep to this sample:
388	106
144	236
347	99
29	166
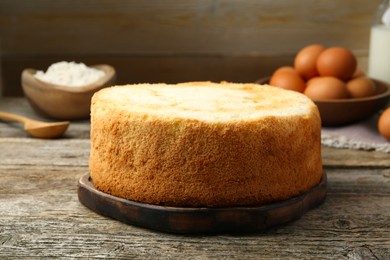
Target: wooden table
40	215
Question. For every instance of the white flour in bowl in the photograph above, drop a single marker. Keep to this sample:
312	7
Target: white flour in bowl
70	74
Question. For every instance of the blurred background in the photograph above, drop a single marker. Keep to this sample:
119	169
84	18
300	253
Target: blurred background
174	41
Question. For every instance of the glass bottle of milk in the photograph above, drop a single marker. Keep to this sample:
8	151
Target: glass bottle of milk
379	53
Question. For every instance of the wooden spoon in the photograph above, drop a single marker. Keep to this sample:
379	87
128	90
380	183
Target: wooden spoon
36	128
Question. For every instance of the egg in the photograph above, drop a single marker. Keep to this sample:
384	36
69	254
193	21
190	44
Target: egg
361	87
337	62
284	69
326	88
305	61
358	73
288	79
310	81
384	124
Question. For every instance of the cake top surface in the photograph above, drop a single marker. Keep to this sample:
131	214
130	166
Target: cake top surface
206	101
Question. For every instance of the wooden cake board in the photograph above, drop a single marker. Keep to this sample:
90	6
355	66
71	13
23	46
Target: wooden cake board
183	220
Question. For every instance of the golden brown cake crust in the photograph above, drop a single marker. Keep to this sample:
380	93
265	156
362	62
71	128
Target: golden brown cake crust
179	161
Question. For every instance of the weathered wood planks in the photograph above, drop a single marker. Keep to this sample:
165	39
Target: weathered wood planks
170	41
42	217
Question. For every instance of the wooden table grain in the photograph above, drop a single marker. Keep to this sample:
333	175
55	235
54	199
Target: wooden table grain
41	217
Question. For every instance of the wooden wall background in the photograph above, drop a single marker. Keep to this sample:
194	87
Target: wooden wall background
175	40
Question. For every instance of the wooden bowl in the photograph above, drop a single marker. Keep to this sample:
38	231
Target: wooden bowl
63	102
336	112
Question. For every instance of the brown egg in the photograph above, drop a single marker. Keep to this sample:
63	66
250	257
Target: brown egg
384	124
326	88
306	59
284	69
358	73
361	87
288	79
337	62
310	81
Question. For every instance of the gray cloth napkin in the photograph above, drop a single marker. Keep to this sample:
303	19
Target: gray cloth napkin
363	135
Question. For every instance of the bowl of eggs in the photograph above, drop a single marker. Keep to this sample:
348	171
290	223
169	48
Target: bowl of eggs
65	90
332	79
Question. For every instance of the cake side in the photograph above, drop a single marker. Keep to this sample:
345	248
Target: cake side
179	161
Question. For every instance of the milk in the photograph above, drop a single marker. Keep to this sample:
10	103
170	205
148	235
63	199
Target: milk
379	56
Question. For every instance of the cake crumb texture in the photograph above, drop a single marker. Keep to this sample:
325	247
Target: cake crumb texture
178	157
